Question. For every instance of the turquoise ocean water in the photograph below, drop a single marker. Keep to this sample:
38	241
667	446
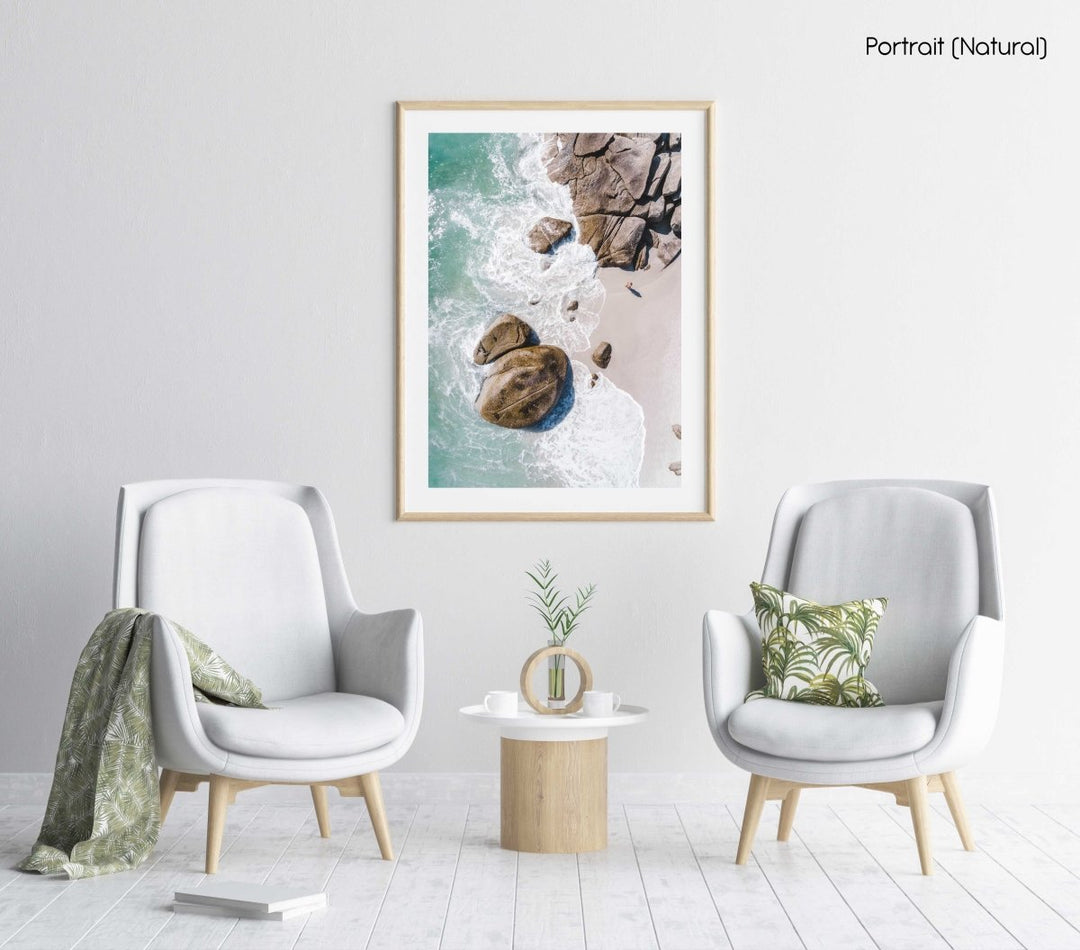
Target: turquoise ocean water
485	191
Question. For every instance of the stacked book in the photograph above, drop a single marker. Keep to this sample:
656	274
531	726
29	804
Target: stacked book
242	899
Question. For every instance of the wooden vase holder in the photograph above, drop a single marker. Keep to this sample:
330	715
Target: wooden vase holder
530	667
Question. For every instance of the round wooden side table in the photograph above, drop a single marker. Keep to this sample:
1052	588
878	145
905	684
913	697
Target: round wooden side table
554	777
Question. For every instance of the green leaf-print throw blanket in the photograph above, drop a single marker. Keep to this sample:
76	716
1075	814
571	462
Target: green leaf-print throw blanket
816	654
103	812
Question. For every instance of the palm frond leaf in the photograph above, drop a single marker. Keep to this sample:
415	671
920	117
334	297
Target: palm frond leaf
816	653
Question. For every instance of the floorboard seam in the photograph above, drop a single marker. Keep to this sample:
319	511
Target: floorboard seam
11	936
708	890
453	877
108	910
641	876
1068	828
1039	848
885	871
765	876
390	879
513	919
168	920
330	874
1027	887
840	893
908	831
277	861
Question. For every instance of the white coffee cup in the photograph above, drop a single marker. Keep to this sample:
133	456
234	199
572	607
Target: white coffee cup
599	703
502	702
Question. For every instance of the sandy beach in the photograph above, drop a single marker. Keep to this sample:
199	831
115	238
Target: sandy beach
644	332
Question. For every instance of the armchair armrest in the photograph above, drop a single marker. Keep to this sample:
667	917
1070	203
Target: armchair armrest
180	742
972	694
382	655
731	665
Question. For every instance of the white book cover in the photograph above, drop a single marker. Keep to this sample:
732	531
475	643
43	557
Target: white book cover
215	910
264	898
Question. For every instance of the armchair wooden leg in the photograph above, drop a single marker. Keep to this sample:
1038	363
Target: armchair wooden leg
215	821
787	814
377	811
951	788
322	809
167	783
920	820
755	801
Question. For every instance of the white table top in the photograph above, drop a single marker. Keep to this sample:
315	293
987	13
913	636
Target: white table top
530	724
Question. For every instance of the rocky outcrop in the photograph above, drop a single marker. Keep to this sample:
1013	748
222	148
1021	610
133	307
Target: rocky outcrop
524	386
675	468
546	233
616	240
626	189
601	356
506	333
677	429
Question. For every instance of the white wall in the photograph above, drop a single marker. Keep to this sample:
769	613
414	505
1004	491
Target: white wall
196	277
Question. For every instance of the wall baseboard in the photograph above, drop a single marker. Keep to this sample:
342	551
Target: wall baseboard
626	788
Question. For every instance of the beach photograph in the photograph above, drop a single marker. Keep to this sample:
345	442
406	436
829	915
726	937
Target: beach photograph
554	310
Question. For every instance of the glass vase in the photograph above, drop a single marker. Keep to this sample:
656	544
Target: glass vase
556	679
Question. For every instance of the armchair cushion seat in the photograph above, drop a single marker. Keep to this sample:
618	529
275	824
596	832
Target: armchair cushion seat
306	727
833	733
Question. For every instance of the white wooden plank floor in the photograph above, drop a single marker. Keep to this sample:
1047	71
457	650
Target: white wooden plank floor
849	878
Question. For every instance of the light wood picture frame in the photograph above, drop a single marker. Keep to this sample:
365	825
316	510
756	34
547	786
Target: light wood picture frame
555	310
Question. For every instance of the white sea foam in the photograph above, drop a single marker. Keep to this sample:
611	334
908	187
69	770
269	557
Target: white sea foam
600	444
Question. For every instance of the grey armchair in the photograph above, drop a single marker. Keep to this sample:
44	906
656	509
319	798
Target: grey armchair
253	568
931	548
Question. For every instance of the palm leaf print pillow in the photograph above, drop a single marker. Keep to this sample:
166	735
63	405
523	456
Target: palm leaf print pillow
812	653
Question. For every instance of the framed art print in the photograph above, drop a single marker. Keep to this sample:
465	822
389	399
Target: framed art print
555	310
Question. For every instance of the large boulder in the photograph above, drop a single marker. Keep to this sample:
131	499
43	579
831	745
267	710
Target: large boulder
599	189
631	158
591	143
523	387
546	233
506	333
661	164
565	166
654	212
614	240
666	247
673	179
641	261
601	356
